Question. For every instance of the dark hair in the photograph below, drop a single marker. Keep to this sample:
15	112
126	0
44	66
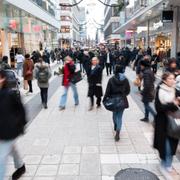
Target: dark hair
27	56
3	76
166	75
172	60
119	69
5	59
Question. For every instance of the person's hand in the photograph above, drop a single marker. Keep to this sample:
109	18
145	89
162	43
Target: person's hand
177	102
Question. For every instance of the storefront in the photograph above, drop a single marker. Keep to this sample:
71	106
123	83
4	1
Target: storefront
22	31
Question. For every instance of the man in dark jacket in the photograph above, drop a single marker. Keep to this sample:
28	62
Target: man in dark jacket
12	124
94	74
148	88
108	59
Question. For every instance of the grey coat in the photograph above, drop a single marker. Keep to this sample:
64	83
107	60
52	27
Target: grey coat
36	71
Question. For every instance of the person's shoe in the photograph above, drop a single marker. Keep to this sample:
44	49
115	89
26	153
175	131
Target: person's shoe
144	120
19	172
76	104
117	136
165	173
45	106
90	108
61	108
99	106
114	127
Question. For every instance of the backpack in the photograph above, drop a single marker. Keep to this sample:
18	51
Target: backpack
43	74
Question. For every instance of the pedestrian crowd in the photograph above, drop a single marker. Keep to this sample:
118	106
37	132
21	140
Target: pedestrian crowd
165	95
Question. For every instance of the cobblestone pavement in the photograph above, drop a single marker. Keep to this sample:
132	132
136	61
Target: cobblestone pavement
76	144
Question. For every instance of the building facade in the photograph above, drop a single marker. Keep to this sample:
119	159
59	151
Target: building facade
111	22
27	25
142	25
71	20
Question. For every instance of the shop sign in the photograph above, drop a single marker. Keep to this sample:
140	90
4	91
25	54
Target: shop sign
13	24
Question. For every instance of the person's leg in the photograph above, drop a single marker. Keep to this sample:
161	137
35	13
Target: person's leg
18	162
18	68
114	121
45	95
42	97
98	101
75	93
119	115
167	162
5	150
30	86
63	98
110	68
91	103
107	72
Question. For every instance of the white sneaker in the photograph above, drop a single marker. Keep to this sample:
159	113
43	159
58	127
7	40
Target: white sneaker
165	173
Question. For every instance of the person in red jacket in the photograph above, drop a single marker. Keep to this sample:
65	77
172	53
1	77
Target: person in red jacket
68	73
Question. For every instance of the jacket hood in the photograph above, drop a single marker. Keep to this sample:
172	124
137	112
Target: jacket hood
117	80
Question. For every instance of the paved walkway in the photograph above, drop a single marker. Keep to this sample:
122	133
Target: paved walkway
76	144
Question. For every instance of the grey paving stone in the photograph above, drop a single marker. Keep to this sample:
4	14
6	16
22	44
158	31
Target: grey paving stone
72	150
110	169
90	178
51	159
90	164
68	169
90	150
70	159
67	178
47	170
110	159
32	159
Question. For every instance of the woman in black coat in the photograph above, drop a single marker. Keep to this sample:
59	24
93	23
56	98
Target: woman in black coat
94	74
117	86
12	124
165	102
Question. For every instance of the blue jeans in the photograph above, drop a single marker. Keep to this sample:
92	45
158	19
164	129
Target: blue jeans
148	110
19	68
117	119
7	148
167	162
64	96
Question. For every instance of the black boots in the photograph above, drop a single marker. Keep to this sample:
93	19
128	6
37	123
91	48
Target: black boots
117	136
18	173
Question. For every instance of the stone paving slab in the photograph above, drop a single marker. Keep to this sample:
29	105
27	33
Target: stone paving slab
76	144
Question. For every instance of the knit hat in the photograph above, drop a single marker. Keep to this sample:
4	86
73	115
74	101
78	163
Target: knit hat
119	69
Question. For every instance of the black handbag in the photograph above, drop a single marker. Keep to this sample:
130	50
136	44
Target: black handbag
116	103
76	77
173	127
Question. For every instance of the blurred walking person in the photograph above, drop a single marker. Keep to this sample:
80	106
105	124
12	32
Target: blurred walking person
94	74
118	86
43	74
165	102
148	90
108	62
28	67
68	72
12	123
19	61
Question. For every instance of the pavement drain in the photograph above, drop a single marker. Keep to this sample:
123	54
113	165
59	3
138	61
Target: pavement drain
135	174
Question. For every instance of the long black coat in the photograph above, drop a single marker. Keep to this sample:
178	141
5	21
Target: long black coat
148	87
161	121
13	119
94	81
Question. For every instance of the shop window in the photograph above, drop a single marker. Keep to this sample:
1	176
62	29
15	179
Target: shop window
65	8
65	29
65	18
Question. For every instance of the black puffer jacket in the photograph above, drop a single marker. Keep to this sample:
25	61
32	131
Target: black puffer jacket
13	119
148	85
117	87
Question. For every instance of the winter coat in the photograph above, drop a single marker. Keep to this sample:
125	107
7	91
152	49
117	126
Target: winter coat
12	113
110	58
161	121
68	72
117	87
95	81
36	71
28	65
148	85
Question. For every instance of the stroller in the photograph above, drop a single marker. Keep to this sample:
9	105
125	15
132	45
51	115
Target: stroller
13	82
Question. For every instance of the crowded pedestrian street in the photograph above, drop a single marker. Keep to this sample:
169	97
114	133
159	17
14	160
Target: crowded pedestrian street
77	144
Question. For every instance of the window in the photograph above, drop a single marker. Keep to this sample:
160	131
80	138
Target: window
65	29
65	18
